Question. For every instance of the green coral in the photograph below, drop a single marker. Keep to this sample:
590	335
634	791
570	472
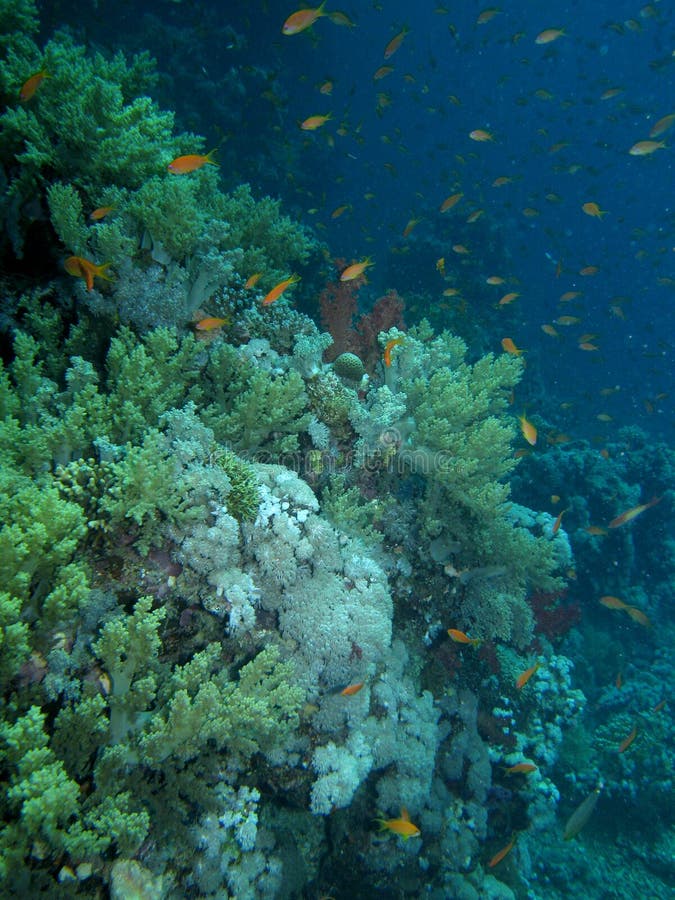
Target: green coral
243	498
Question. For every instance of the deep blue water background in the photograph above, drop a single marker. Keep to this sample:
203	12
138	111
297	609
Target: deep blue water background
232	76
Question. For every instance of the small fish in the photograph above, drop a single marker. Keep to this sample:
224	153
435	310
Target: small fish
587	271
382	72
395	43
508	298
495	279
252	280
30	86
326	88
498	857
628	740
659	706
181	165
487	14
340	18
619	681
501	181
210	323
440	266
662	125
525	676
569	295
311	123
480	135
613	602
632	513
581	815
646	148
84	268
450	201
460	638
302	19
460	249
509	346
638	616
550	330
352	689
521	769
556	524
388	347
401	826
567	320
409	227
101	213
528	430
278	289
588	346
592	209
595	530
356	269
549	35
339	210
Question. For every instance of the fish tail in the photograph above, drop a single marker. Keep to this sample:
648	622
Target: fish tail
209	157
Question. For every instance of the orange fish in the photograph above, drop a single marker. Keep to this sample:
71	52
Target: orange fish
278	289
475	216
550	330
303	18
401	826
632	513
252	280
460	249
460	638
509	347
356	269
352	689
595	530
592	209
586	345
501	181
628	740
388	347
521	769
30	86
313	122
101	213
525	676
486	15
395	43
567	320
382	72
479	134
638	616
613	602
498	857
409	227
662	125
528	430
210	323
326	88
556	524
569	295
83	268
659	706
645	148
450	201
495	279
337	212
549	35
508	298
589	270
181	165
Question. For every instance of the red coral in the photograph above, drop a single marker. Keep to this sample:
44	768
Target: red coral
339	305
552	619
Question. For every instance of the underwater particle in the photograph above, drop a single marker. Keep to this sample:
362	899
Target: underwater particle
581	815
348	365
